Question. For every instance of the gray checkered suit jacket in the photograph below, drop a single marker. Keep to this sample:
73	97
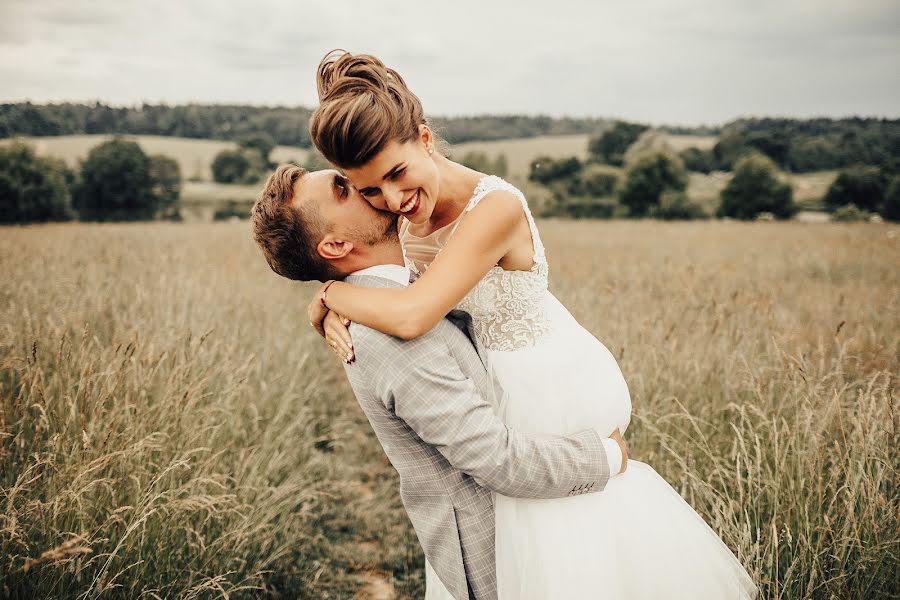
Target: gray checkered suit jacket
426	400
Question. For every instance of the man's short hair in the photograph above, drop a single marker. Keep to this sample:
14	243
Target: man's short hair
288	235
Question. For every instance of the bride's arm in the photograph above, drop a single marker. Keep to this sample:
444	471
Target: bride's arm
482	239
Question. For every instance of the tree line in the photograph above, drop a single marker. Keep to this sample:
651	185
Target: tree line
802	146
797	145
286	125
116	182
655	178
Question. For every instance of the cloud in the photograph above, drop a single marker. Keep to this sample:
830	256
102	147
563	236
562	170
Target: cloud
693	61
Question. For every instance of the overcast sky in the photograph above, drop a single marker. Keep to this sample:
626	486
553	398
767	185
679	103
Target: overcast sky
662	61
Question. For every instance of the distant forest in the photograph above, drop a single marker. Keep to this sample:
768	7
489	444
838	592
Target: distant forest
803	145
287	126
798	145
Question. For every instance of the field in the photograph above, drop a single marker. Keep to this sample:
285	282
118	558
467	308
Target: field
170	426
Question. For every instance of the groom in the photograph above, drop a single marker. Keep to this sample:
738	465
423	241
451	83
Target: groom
427	399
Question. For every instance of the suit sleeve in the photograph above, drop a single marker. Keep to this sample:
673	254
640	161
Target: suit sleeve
424	385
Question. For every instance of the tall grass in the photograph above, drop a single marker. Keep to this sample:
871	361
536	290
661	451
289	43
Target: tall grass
163	404
169	427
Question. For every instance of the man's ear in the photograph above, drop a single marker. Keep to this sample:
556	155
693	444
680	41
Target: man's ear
334	248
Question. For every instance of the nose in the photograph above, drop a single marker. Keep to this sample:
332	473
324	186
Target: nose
393	196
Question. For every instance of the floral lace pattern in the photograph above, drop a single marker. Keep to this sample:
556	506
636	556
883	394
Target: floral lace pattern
507	307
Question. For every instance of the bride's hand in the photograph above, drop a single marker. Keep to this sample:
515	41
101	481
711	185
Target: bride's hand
316	310
331	326
338	336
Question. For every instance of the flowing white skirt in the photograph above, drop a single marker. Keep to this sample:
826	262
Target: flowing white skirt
635	540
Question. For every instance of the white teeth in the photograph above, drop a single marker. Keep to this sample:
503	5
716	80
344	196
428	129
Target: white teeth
407	206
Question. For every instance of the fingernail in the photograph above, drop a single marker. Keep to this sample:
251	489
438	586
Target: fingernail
349	357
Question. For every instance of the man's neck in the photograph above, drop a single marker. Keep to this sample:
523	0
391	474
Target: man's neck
388	254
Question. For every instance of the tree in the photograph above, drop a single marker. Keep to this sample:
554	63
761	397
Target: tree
812	154
701	161
576	190
647	141
731	146
755	189
774	144
596	181
891	209
261	143
32	189
545	169
480	161
647	177
674	205
314	161
849	213
229	166
115	183
611	145
166	175
238	166
861	186
118	183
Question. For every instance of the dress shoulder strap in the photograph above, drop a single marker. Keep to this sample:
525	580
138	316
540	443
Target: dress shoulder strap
410	264
493	183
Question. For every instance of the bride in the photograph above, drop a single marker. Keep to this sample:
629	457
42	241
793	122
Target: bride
474	241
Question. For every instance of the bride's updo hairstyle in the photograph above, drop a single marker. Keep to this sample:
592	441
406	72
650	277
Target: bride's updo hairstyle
363	105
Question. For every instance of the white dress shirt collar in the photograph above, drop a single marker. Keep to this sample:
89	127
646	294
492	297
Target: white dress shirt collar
397	273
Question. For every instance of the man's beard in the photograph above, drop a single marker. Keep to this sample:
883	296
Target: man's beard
383	230
391	233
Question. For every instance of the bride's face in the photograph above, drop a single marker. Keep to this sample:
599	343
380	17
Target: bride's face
403	178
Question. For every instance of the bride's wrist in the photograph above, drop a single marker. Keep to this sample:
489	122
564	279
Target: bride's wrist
323	291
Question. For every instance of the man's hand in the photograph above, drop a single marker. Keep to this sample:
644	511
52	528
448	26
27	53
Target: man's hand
617	436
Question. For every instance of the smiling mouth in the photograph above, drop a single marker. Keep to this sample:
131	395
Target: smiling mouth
411	205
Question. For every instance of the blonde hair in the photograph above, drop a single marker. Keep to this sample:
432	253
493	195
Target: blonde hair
288	236
363	105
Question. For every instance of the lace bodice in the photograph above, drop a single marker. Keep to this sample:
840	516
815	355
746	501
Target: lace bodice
508	307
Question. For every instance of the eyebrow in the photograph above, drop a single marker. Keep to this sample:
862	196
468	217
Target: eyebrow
393	170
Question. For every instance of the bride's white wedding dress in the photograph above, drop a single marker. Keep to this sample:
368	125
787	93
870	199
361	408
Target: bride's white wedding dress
637	539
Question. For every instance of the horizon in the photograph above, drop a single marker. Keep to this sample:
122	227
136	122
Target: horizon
657	125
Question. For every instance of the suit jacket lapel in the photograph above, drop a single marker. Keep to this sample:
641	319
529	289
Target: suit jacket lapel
463	320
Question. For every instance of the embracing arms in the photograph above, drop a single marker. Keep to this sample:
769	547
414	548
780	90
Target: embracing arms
483	239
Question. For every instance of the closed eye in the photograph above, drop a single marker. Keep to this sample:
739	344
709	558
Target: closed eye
341	184
393	175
